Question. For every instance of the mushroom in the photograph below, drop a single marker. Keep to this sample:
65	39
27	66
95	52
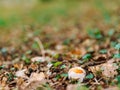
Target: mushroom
77	73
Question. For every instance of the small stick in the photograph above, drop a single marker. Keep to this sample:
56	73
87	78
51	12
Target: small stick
96	81
40	46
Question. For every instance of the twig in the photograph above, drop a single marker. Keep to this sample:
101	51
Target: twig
92	63
40	46
96	81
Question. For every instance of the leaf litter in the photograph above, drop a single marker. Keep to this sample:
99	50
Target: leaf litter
42	61
50	67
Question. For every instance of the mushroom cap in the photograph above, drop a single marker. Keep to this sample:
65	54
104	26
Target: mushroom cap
76	73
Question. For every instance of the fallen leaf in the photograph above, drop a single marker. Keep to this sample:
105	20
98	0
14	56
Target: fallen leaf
21	73
112	88
38	59
108	69
76	87
35	80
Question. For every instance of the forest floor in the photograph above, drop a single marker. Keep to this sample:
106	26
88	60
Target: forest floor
62	35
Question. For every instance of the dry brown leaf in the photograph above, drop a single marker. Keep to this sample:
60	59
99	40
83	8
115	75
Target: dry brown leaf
72	87
33	66
4	88
21	73
38	59
19	81
37	77
18	66
60	47
112	88
35	80
4	80
107	69
76	52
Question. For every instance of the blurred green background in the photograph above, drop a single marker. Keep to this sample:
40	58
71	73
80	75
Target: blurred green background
17	15
44	11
